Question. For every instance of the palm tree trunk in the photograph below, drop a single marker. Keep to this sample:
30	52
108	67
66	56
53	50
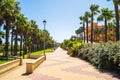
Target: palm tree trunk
87	30
16	44
32	48
21	45
84	31
12	43
105	29
24	46
37	47
117	19
7	38
92	28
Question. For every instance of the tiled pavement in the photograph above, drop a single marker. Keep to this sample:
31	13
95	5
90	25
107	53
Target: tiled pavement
58	66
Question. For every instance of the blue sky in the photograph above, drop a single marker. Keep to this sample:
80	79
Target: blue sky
62	16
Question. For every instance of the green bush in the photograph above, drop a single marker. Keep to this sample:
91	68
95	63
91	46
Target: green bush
72	46
76	45
103	55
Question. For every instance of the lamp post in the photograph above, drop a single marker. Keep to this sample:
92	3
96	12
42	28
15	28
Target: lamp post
44	23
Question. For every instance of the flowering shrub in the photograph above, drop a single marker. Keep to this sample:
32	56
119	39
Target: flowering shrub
103	55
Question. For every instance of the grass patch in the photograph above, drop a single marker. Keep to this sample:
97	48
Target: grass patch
39	52
42	51
25	56
4	61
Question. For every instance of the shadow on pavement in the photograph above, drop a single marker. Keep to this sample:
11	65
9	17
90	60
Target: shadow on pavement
25	74
114	73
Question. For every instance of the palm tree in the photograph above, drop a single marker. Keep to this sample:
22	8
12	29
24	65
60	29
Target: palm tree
96	32
106	14
16	15
27	39
116	3
79	31
34	34
12	32
82	18
21	23
111	27
1	12
94	11
38	40
11	18
10	9
1	36
87	15
41	38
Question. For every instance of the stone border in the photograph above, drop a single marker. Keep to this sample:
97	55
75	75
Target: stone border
10	65
31	66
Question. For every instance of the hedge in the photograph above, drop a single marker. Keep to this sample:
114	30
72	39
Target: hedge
102	55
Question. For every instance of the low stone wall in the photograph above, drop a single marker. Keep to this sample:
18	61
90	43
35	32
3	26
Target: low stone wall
10	65
31	66
33	56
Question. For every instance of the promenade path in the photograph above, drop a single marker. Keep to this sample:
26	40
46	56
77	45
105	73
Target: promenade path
58	66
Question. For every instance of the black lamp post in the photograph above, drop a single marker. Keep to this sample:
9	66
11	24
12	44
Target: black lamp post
44	23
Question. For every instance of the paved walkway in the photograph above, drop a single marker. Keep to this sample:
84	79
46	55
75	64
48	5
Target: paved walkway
58	66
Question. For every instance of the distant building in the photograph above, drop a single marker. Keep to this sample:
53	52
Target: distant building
98	33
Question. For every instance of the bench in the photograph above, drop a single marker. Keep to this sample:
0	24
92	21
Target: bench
32	65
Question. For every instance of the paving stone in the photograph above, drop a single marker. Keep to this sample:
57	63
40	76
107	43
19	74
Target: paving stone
58	66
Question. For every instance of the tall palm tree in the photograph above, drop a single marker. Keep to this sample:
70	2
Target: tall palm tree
106	14
116	3
11	18
41	39
96	32
34	34
27	39
38	40
87	15
82	18
10	9
111	27
1	12
94	11
1	21
16	14
21	23
12	32
1	36
79	31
